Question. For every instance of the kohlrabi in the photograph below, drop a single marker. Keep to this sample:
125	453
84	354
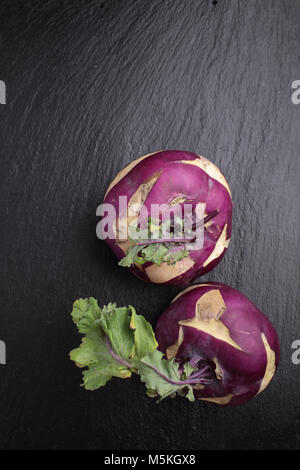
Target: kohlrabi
213	344
169	193
215	325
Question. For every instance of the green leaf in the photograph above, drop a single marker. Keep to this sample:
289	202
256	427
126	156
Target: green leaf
93	352
137	234
156	253
95	377
153	368
116	325
190	394
151	393
117	342
188	370
172	257
85	314
144	339
131	256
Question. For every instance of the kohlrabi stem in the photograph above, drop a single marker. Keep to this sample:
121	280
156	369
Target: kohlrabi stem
210	216
180	240
166	240
190	381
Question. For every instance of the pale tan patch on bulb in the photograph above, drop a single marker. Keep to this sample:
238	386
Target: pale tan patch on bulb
165	272
214	172
219	400
210	305
220	246
208	311
126	170
172	350
134	207
218	370
191	288
138	199
270	367
177	200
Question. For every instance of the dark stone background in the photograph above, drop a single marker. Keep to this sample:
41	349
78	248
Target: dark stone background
91	85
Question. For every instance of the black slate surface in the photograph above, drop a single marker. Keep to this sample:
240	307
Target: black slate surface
92	85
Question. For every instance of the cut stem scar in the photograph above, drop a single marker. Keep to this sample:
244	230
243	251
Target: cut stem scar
166	240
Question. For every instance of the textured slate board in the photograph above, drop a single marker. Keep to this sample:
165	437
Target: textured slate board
90	86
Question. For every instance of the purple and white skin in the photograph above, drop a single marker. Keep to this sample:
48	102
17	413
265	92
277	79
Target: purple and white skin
175	177
215	325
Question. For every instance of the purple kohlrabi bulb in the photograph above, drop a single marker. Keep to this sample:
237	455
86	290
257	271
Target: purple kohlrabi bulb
216	325
173	178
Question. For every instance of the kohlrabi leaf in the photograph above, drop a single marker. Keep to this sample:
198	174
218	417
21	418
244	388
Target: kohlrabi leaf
173	257
155	253
190	394
118	342
188	370
144	339
154	370
85	314
131	256
93	352
116	325
101	365
169	252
